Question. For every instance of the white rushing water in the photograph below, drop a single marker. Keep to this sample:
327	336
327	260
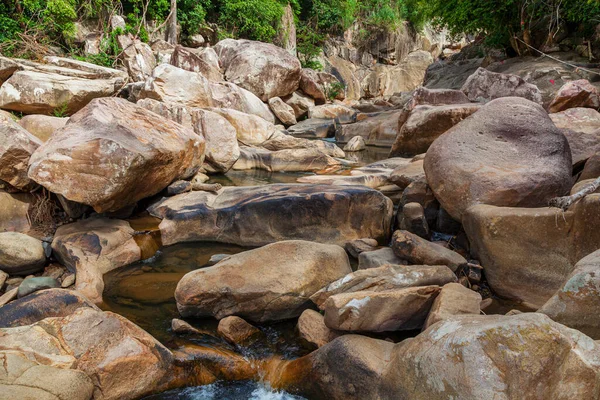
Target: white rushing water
244	390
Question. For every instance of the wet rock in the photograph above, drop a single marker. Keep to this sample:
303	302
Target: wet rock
379	258
584	120
325	214
390	310
42	126
355	247
204	61
387	277
507	154
357	143
262	68
517	246
427	123
343	114
114	153
435	97
250	284
20	254
576	304
236	330
417	250
313	331
454	299
16	147
181	327
484	86
580	93
282	111
31	285
94	247
466	353
288	160
379	130
300	103
311	128
412	219
404	175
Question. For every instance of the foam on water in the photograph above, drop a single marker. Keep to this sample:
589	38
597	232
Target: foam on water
243	390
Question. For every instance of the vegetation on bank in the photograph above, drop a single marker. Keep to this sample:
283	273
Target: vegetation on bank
25	25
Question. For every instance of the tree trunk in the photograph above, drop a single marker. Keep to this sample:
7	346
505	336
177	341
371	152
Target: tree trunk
172	26
565	202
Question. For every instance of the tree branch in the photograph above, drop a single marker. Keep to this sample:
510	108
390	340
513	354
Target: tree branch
566	201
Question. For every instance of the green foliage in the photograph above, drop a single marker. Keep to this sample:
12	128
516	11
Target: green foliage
61	111
334	89
252	19
308	44
191	14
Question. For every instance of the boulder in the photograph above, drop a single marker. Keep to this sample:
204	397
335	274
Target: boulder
582	145
282	111
509	153
20	254
435	97
288	160
36	283
40	305
417	250
485	357
251	130
517	246
313	128
454	299
579	93
42	126
379	130
16	147
425	124
300	103
8	67
251	284
318	85
236	330
577	303
262	68
357	143
379	258
390	310
584	120
484	86
137	57
258	215
94	247
113	153
14	212
204	61
343	114
387	277
420	192
313	331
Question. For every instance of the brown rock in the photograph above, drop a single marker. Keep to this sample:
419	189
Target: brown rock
318	85
204	61
379	130
585	120
343	114
591	169
42	126
236	330
137	57
583	145
412	219
379	258
300	103
16	147
391	310
250	284
484	86
417	250
288	160
454	299
507	154
355	247
404	175
435	97
21	254
113	153
312	329
284	112
580	93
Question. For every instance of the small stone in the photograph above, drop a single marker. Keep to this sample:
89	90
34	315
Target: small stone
312	329
68	281
20	254
236	330
215	258
10	295
14	281
31	285
355	247
54	271
357	143
182	327
282	111
412	219
179	187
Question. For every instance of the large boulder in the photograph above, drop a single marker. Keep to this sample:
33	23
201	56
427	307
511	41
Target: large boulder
509	153
484	86
113	153
518	246
319	85
378	130
16	147
426	124
526	356
258	215
579	93
137	57
577	303
251	129
42	126
262	68
94	247
20	254
204	61
273	282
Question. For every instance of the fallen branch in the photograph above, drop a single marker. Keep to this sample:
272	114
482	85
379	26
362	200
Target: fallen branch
565	202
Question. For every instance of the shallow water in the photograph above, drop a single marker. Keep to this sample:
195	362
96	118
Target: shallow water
241	390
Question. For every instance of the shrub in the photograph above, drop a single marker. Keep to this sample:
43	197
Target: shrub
252	19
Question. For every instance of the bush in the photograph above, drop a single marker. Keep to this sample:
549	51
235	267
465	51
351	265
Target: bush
252	19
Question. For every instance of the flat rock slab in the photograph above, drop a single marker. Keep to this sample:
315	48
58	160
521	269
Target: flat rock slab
258	215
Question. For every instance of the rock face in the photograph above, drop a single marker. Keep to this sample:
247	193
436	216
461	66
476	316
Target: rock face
580	93
454	299
251	284
380	130
93	247
255	216
417	250
20	254
124	361
58	84
509	153
113	153
486	357
42	126
484	86
204	61
426	124
388	277
576	304
264	69
517	246
16	147
391	310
